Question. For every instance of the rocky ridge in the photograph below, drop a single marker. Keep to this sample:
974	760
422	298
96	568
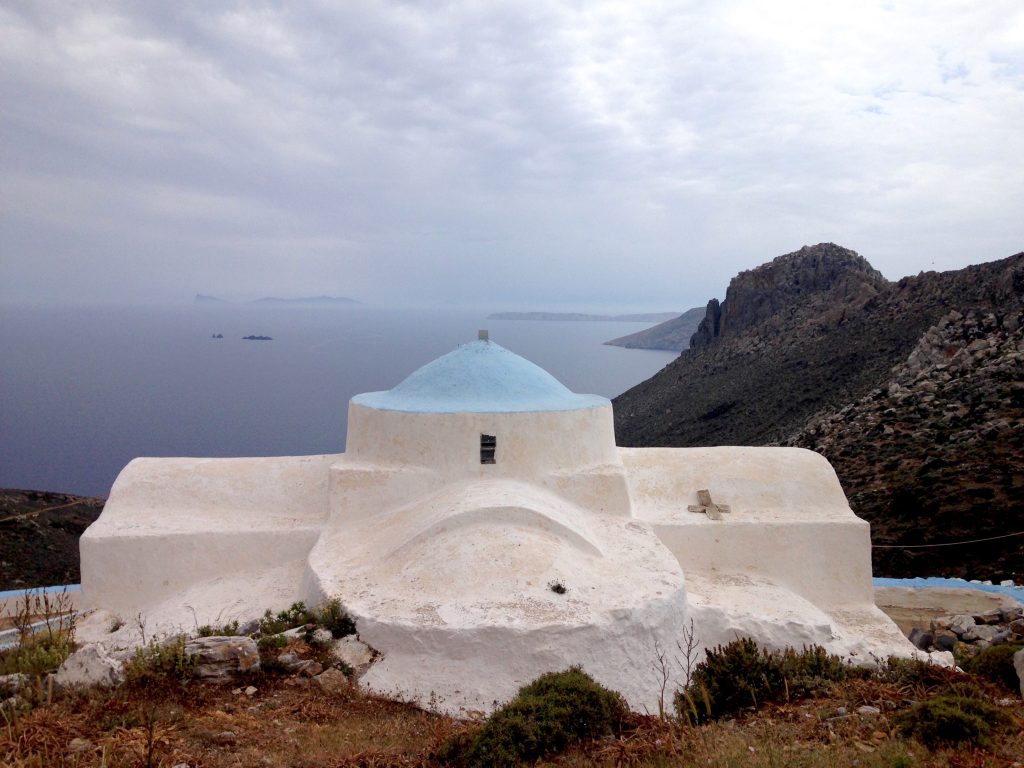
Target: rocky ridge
828	271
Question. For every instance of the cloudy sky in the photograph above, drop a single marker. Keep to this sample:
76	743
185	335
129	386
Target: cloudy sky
533	154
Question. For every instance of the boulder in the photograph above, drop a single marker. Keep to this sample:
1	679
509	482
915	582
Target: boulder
354	653
921	639
90	666
332	681
945	640
960	624
301	667
980	632
223	657
990	617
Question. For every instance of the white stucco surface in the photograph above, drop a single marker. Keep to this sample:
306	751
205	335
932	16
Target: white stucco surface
447	563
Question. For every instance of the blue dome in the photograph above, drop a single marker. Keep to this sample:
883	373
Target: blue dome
479	377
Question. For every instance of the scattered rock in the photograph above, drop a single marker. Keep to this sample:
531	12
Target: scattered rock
921	639
225	737
943	658
981	632
990	617
308	668
960	624
302	667
90	666
945	640
354	653
321	638
867	709
251	690
223	657
78	746
11	684
287	660
332	681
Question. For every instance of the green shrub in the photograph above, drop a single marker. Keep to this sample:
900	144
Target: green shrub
332	616
546	716
996	664
157	664
225	630
950	720
36	655
296	616
271	642
919	678
742	675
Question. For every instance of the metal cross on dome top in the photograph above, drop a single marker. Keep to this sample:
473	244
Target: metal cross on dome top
707	506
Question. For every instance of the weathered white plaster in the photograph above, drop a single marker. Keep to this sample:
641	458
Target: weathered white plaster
447	563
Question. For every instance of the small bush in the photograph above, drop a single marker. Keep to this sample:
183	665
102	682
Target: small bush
157	664
951	720
546	716
225	630
918	678
741	675
335	618
296	616
996	664
36	655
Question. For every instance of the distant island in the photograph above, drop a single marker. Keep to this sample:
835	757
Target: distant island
329	300
332	301
650	317
257	338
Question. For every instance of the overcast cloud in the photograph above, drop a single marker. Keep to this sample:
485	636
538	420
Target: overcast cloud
523	153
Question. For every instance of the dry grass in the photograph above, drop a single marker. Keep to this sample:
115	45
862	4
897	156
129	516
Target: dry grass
290	723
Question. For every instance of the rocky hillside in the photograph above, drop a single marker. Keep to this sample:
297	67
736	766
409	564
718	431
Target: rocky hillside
39	537
936	454
818	330
673	334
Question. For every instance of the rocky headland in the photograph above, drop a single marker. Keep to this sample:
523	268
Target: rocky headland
673	334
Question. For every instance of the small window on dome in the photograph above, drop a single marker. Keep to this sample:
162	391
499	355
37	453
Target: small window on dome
488	445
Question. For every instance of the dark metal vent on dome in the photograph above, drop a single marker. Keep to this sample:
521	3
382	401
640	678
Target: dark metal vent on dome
488	445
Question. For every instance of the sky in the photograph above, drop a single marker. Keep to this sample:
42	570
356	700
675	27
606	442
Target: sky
534	154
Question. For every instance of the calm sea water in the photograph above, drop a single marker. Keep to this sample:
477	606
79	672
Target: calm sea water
83	391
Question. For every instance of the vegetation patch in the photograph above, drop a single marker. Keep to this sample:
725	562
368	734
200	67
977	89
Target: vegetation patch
953	720
159	663
995	664
742	675
554	711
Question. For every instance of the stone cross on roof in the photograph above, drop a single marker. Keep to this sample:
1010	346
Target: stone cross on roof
707	506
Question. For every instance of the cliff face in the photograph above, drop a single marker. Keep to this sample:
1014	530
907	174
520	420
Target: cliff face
819	274
830	339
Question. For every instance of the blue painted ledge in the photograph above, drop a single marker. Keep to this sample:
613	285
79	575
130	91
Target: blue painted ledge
41	590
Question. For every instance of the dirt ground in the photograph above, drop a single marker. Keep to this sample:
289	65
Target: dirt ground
910	607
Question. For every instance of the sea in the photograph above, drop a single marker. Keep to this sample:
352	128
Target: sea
83	391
